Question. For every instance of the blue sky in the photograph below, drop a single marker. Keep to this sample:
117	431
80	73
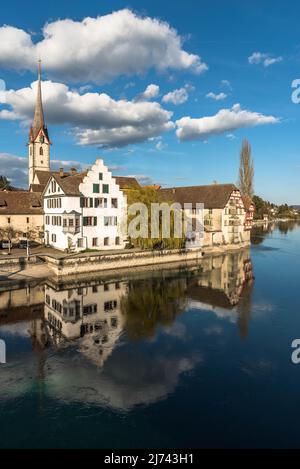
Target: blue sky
158	136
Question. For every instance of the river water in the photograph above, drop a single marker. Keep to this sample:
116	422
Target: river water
183	358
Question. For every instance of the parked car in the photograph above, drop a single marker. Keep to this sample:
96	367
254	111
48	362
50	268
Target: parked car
22	244
5	244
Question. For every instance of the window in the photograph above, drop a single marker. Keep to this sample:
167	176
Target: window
114	203
27	220
53	238
53	186
110	305
96	188
100	176
95	289
106	287
117	241
105	189
41	151
106	241
104	203
97	202
110	221
47	220
8	220
95	242
89	221
65	222
71	222
80	243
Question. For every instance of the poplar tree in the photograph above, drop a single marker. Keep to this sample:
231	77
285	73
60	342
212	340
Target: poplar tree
246	171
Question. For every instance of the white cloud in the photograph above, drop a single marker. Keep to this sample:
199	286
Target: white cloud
151	92
99	49
160	145
143	179
265	59
226	120
96	118
176	97
226	84
217	97
231	137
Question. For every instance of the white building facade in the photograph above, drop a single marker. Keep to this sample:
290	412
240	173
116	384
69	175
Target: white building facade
85	211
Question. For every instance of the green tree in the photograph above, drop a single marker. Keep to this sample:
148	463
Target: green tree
246	171
10	233
148	196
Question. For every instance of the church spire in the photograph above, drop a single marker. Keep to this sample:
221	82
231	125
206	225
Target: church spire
38	121
39	143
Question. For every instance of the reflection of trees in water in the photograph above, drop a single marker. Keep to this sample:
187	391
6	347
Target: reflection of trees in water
260	232
151	303
244	309
285	226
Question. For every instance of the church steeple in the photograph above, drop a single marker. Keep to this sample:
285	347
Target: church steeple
38	121
39	143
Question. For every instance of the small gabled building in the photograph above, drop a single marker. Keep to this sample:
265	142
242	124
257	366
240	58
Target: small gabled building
86	210
249	212
22	211
224	211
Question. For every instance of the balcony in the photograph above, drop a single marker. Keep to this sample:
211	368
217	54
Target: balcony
71	223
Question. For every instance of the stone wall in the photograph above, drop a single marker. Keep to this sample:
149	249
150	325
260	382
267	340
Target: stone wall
80	264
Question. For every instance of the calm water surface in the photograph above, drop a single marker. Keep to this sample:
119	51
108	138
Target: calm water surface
197	357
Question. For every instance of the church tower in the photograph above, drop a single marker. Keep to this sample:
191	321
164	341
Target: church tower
39	143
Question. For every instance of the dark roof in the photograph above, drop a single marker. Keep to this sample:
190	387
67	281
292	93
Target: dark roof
212	196
208	295
36	188
125	182
70	184
20	202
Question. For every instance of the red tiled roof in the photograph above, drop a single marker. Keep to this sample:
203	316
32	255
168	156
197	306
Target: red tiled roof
20	202
212	196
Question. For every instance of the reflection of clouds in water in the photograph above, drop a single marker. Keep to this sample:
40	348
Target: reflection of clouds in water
221	313
176	330
214	330
20	329
259	309
262	367
129	377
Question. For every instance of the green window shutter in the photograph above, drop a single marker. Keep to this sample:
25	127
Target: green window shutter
84	221
105	189
96	188
100	176
91	202
81	202
95	221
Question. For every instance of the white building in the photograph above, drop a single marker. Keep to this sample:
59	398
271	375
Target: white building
85	210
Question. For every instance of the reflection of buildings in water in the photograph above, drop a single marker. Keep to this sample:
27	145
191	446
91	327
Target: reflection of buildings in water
93	317
225	288
91	314
21	304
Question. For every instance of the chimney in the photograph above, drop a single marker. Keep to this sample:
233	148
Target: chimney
61	172
73	171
